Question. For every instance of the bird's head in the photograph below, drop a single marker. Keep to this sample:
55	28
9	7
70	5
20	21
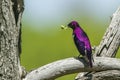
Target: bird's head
72	24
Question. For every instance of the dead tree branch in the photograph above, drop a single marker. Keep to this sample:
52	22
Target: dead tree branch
72	65
111	40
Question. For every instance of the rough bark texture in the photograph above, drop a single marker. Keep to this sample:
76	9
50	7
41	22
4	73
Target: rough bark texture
72	65
111	40
10	38
102	75
108	48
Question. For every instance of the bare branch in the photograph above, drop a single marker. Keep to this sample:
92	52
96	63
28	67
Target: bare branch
72	65
111	39
102	75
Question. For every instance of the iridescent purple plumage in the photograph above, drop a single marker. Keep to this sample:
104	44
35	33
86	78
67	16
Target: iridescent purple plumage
81	41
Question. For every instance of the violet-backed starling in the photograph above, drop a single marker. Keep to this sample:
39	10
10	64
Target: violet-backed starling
81	41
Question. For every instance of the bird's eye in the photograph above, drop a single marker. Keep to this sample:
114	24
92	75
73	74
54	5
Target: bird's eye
72	24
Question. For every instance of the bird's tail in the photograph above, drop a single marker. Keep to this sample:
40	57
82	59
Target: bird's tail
89	59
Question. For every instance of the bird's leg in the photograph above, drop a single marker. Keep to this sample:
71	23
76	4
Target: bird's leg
78	56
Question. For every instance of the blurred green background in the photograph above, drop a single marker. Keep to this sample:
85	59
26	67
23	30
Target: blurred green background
43	41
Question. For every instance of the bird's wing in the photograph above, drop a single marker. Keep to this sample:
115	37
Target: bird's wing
86	53
79	44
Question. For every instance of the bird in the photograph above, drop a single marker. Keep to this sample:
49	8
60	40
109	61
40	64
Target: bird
82	42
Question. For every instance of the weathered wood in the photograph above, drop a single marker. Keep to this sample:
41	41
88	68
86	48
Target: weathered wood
72	65
109	45
111	40
102	75
10	68
107	75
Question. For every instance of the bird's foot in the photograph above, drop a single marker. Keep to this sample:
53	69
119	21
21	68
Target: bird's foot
94	48
78	56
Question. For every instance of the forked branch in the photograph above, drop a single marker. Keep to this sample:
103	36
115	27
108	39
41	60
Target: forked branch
72	65
107	48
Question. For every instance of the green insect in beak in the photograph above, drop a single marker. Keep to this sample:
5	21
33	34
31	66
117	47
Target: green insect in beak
64	27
